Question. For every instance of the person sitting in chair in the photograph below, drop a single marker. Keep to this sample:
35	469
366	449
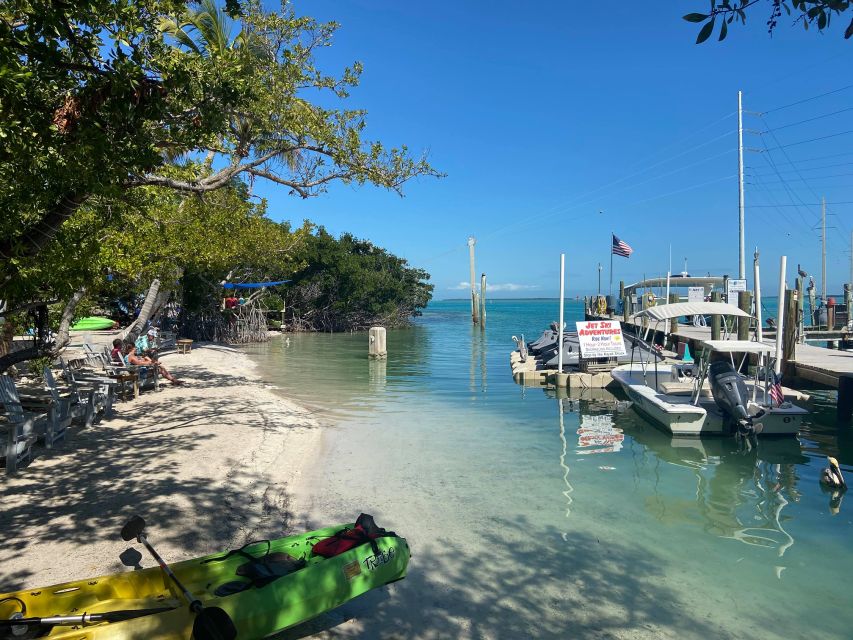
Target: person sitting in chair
145	361
145	344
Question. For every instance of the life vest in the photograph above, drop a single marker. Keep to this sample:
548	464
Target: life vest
364	531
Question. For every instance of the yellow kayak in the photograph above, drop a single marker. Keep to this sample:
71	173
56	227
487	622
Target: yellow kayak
264	587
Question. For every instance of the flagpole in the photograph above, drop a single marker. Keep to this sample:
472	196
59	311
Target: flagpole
611	263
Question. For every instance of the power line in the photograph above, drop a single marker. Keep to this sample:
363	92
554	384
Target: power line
792	124
794	144
832	175
793	104
834	155
824	166
807	204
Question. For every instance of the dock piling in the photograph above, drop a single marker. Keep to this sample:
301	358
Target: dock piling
844	407
744	302
715	319
377	345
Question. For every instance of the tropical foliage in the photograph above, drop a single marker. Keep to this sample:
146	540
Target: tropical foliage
817	13
131	134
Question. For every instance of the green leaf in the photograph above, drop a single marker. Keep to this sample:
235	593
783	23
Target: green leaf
723	32
821	21
705	32
695	17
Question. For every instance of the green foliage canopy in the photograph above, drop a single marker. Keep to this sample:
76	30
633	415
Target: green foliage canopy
809	12
97	97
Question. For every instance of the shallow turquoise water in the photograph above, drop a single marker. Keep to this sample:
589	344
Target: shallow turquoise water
536	516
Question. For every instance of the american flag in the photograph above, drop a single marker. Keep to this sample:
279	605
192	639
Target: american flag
621	248
776	393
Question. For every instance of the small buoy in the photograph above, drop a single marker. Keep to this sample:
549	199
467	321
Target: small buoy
831	476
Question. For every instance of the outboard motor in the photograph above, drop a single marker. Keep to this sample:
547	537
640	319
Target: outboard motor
731	395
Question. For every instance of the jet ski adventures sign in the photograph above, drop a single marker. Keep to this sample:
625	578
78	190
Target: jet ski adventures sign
600	339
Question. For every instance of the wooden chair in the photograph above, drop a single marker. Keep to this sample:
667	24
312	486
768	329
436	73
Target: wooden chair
101	389
81	407
22	427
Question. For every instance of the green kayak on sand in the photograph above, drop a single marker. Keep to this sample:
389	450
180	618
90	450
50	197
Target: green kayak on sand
264	587
92	323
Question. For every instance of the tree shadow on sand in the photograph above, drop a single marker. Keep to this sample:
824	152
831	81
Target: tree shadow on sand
523	582
82	492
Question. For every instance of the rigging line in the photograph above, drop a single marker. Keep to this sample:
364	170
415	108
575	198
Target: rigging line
785	106
825	166
792	124
794	144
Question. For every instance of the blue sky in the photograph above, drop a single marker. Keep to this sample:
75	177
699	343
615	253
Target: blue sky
558	123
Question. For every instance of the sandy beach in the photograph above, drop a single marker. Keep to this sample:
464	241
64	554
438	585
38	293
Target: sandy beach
210	465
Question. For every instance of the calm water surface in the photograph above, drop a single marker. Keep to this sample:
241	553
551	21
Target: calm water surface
531	515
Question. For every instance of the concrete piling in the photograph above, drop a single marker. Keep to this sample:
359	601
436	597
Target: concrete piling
376	343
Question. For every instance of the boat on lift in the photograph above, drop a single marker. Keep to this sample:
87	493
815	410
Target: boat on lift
709	396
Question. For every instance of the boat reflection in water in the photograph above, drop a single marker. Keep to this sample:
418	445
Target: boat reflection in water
742	486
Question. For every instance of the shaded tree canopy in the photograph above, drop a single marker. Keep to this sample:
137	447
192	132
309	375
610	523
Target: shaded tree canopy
817	13
98	97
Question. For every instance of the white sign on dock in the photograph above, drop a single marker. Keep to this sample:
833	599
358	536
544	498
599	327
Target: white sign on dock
735	285
600	339
696	294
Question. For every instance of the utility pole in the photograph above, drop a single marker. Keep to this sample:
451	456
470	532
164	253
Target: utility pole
599	278
741	255
471	242
823	250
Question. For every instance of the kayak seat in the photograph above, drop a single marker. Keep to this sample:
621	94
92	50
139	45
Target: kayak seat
258	571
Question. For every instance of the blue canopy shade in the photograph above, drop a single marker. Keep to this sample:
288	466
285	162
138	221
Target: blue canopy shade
251	285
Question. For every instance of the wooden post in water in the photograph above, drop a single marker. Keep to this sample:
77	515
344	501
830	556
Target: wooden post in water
844	406
744	302
848	299
789	353
474	307
715	319
376	346
482	300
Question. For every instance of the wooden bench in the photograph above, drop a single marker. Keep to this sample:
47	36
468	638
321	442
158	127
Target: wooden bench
184	346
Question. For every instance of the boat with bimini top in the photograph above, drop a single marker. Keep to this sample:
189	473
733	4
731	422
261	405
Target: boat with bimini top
710	396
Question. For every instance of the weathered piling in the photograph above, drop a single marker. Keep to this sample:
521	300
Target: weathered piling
483	300
744	302
801	300
790	328
673	323
376	345
715	319
844	407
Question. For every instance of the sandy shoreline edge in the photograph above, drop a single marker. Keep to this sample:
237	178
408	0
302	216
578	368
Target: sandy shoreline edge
210	465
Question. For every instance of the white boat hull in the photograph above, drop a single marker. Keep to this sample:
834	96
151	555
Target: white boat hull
677	415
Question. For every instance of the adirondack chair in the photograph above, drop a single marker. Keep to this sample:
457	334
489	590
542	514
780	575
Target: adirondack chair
101	389
148	375
80	407
22	427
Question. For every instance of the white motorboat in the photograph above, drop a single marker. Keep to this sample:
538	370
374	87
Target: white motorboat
710	397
